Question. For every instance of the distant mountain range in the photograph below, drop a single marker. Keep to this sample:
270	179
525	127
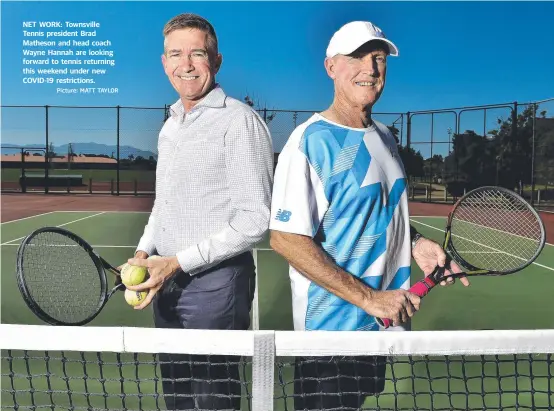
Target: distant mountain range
91	148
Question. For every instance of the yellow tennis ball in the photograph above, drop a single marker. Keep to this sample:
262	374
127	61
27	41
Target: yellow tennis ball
134	298
133	275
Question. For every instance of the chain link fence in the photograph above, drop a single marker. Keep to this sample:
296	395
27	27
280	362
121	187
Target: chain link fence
445	152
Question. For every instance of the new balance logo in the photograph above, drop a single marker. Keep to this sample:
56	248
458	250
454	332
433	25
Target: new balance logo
283	215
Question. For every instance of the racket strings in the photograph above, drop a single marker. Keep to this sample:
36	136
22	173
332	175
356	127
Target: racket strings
61	277
495	231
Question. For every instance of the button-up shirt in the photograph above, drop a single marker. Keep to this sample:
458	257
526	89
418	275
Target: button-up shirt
213	183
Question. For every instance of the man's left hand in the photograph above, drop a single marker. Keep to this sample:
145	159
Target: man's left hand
428	254
159	269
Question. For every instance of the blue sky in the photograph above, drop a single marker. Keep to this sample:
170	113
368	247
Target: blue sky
451	53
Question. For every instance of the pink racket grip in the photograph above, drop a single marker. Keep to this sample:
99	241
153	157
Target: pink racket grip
421	289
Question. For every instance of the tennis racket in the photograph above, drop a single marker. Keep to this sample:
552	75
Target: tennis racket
61	278
490	231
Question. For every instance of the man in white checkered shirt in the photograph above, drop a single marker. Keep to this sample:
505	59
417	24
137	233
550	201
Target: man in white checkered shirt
213	198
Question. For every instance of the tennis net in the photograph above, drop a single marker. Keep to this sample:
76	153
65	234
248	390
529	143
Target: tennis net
109	368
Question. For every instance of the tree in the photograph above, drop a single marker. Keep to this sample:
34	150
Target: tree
544	151
434	168
514	149
472	163
412	160
51	151
503	159
268	117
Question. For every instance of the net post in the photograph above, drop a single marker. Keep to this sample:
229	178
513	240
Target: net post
262	371
255	302
90	185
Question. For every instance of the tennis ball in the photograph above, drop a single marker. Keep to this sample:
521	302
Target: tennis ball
133	275
134	298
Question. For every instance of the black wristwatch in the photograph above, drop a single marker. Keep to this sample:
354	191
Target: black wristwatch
415	236
415	239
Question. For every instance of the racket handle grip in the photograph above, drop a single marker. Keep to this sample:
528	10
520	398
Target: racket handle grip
421	289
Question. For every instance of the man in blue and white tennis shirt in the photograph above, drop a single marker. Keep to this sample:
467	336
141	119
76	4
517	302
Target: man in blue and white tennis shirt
340	218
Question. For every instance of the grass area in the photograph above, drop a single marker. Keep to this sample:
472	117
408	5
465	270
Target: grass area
519	301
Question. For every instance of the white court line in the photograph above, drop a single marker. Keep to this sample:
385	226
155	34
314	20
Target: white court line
494	229
93	246
26	218
482	252
61	225
419	222
438	229
94	211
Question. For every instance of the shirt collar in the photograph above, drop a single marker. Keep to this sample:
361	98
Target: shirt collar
214	99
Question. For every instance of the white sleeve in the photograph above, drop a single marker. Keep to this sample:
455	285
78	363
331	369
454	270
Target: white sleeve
298	203
146	242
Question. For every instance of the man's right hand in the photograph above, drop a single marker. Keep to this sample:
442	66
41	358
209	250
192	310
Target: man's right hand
141	254
138	254
397	305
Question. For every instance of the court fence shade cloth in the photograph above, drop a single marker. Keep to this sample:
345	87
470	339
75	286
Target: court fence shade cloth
49	367
445	151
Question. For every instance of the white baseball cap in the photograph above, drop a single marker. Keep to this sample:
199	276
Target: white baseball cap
355	34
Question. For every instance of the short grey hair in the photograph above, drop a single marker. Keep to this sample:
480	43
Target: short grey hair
193	21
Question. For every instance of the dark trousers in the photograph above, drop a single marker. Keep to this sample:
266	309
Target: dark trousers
217	299
338	383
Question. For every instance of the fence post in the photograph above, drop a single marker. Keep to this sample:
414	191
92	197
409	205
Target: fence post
117	166
533	157
46	168
408	130
513	140
23	180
